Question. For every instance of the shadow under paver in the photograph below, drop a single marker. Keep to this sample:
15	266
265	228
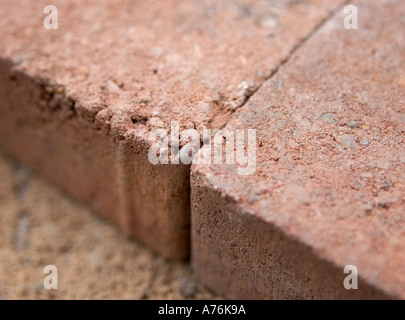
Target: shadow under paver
329	185
77	103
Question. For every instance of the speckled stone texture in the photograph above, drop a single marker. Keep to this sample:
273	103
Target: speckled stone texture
329	187
77	103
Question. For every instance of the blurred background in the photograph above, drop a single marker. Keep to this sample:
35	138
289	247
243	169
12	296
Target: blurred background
40	226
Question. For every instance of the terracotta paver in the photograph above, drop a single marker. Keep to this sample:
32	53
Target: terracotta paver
77	103
329	185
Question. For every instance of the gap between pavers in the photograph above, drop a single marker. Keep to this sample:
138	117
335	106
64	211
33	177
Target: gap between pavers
77	103
329	187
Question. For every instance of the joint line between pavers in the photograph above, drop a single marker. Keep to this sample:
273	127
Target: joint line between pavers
300	43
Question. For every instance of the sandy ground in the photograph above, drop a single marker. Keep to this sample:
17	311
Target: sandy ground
40	226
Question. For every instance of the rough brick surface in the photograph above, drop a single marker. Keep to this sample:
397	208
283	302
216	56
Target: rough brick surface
77	103
329	189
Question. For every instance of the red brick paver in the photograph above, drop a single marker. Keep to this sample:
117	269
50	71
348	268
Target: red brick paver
329	187
77	103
